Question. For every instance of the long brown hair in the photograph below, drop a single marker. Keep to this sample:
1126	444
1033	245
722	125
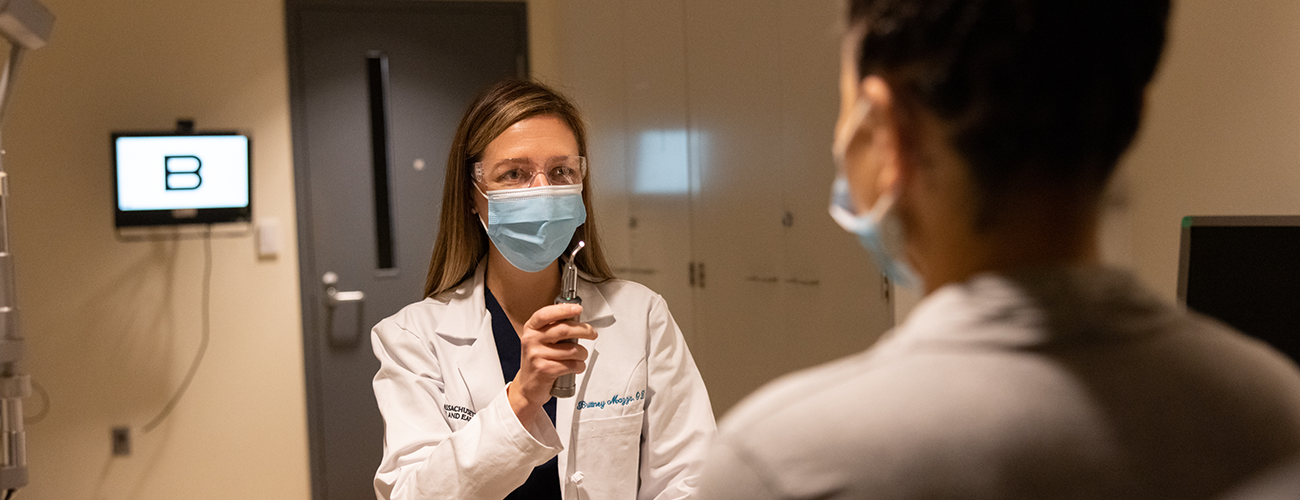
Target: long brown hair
461	242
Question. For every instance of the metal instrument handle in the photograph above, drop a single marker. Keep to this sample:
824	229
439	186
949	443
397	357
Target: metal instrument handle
566	385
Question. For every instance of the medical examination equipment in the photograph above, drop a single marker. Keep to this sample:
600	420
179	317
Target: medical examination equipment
26	24
565	386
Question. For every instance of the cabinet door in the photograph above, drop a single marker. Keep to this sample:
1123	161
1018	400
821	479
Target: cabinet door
785	288
829	280
659	188
734	80
711	124
624	64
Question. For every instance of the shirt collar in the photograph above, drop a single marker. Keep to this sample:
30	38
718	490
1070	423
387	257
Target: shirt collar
1034	307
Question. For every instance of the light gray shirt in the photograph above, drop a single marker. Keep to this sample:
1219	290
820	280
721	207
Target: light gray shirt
1063	383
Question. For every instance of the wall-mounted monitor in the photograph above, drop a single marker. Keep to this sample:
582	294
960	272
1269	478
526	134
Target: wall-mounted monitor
164	179
1245	271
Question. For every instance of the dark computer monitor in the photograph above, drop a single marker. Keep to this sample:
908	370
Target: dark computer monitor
1245	271
163	179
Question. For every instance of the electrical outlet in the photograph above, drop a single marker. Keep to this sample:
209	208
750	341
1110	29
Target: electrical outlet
121	441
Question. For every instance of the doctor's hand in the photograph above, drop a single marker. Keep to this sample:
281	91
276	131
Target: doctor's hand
543	357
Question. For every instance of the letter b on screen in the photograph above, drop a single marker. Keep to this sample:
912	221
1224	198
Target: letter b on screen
182	172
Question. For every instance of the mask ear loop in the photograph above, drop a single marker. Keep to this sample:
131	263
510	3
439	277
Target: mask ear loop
478	215
474	210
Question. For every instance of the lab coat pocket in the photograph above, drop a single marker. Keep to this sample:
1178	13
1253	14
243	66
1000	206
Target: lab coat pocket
607	454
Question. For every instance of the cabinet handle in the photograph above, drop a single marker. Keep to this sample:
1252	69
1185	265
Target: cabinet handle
696	270
803	282
762	279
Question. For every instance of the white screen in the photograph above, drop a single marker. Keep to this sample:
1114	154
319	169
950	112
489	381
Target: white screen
202	172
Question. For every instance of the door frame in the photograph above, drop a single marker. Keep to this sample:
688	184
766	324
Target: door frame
308	274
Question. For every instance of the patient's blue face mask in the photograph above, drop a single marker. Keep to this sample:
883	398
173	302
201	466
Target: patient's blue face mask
532	226
878	229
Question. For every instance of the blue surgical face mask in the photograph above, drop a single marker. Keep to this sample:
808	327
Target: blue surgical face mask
532	226
878	229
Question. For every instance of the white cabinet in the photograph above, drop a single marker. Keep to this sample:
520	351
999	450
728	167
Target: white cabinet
711	124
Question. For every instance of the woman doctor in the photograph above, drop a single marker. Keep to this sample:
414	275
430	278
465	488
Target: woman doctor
465	374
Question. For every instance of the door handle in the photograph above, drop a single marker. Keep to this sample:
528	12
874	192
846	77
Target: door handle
349	336
334	297
332	294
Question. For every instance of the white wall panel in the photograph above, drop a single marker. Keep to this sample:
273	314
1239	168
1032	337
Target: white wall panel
734	86
659	216
828	278
589	41
719	115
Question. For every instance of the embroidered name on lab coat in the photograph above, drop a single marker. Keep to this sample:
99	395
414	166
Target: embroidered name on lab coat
612	401
458	412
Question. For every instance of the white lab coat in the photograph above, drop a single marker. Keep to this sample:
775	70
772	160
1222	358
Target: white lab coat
641	432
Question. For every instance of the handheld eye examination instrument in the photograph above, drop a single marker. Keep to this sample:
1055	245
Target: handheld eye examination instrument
565	386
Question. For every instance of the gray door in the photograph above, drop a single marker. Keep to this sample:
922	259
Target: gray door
377	91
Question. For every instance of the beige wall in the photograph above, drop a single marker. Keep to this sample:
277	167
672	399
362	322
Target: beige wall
1222	132
112	326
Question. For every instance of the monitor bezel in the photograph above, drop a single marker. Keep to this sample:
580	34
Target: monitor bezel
1185	243
180	217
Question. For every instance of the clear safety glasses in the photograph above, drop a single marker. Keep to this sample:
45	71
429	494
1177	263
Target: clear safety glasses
518	173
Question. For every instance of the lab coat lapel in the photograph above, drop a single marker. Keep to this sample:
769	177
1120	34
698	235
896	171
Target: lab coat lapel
467	318
595	309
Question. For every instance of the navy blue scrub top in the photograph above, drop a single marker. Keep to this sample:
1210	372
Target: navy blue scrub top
544	482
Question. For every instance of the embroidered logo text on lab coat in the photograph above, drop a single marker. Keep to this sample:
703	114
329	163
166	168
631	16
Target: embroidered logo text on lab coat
612	401
458	412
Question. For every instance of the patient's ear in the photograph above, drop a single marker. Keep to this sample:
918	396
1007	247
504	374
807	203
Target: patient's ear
886	129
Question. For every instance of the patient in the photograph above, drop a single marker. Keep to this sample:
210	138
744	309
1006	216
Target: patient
974	142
